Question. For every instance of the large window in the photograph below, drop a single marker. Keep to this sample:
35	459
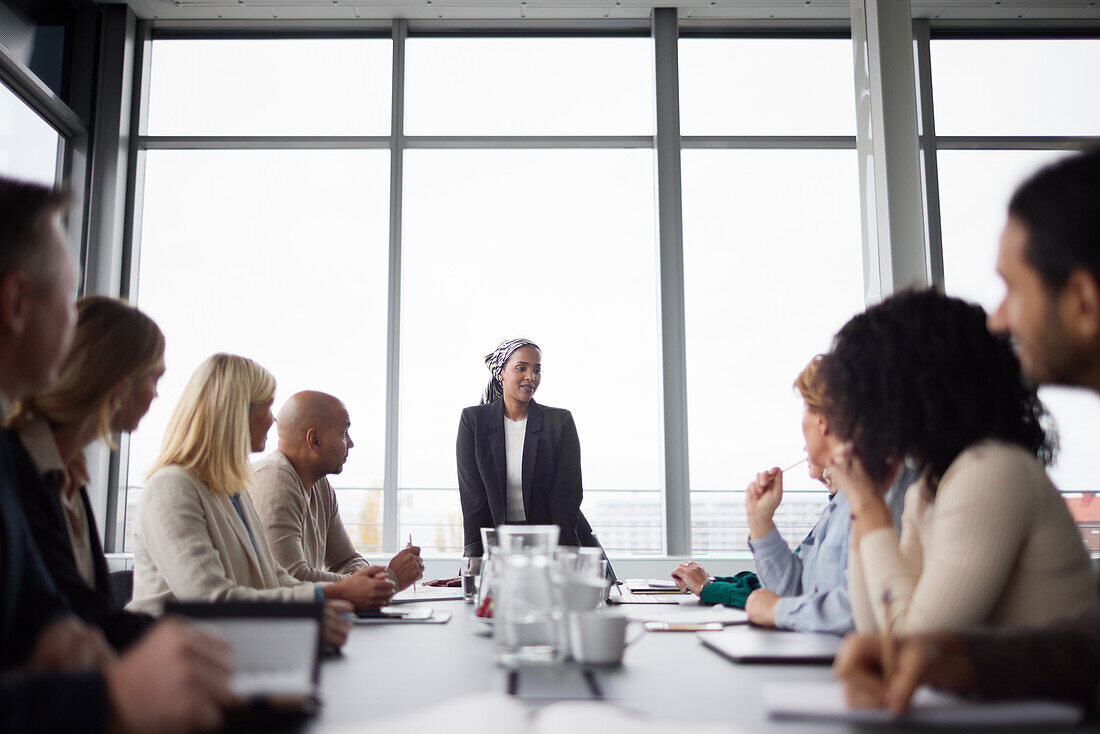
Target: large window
772	264
550	241
286	250
277	254
1012	88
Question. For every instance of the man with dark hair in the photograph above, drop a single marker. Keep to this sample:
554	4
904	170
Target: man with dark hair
1049	259
177	677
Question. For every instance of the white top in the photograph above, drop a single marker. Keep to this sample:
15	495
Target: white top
514	432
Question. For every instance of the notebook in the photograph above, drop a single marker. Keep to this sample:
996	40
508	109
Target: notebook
394	615
755	645
825	702
417	593
276	648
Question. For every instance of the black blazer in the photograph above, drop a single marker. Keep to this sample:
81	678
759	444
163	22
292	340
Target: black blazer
28	603
551	472
42	503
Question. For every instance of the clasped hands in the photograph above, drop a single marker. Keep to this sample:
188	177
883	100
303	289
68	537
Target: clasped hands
760	606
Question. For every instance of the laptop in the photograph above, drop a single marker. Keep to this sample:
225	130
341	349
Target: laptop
756	645
276	651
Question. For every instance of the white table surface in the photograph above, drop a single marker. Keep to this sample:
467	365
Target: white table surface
387	669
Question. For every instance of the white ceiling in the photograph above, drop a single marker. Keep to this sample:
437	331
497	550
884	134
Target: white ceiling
330	10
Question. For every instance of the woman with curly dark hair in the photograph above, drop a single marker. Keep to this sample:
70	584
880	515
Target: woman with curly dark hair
986	539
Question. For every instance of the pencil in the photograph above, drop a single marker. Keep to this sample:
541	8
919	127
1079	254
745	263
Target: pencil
792	466
889	650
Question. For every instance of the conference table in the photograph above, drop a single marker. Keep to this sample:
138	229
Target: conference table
387	669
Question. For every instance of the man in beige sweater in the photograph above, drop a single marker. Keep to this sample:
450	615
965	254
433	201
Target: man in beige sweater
297	504
1049	259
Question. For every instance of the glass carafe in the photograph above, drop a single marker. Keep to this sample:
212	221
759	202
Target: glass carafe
525	612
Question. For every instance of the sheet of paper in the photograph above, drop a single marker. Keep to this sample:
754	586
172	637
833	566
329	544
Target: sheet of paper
420	616
684	614
825	702
649	584
426	593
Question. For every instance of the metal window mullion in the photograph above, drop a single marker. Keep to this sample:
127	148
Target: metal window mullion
670	246
528	141
263	142
930	159
390	514
118	486
788	142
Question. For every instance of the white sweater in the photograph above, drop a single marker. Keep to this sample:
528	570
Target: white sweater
996	547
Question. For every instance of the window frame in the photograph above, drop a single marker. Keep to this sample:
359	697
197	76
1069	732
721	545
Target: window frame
665	31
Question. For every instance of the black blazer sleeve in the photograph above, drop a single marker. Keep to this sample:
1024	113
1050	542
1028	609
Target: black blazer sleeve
54	702
565	489
42	503
471	489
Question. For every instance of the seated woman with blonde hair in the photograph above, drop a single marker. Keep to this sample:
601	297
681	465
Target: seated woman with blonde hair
105	386
197	536
804	590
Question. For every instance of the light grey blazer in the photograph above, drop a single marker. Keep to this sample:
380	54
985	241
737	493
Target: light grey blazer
190	545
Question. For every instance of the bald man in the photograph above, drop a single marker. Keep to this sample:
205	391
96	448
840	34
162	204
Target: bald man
297	504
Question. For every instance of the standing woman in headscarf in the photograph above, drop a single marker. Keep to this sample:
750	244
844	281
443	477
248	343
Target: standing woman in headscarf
518	462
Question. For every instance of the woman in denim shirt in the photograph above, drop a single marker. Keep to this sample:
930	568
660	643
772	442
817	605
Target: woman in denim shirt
805	589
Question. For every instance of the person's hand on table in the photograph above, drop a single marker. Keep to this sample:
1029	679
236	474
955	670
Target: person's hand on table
336	622
760	607
939	659
762	498
175	679
407	566
451	582
368	589
67	645
690	576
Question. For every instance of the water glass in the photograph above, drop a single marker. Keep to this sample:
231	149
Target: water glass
469	570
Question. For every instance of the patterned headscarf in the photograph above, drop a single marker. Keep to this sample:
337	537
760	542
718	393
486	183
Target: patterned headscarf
496	361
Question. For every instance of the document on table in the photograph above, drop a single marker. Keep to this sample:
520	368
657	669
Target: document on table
643	584
651	586
427	593
497	713
825	702
392	615
685	614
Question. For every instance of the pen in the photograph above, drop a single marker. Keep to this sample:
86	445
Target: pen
409	546
889	653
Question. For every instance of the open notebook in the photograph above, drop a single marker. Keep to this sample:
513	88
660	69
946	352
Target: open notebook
276	648
825	702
